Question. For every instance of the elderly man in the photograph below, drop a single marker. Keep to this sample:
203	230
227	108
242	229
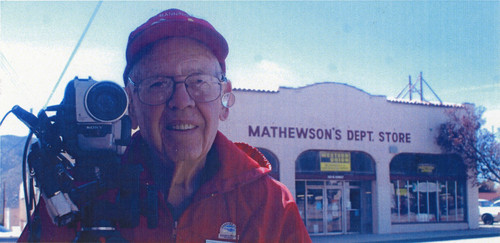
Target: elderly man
205	188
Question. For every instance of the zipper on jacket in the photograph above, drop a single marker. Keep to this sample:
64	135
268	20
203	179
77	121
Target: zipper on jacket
174	231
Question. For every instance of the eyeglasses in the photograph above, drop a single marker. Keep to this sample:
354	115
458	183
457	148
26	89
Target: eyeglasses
158	90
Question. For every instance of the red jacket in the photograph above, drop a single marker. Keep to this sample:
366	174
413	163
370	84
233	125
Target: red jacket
240	203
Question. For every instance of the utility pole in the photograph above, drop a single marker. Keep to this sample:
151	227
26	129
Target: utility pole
421	87
409	85
410	88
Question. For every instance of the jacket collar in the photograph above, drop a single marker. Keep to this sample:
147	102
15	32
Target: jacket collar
238	163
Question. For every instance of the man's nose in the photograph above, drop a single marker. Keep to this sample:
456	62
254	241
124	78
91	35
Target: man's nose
180	98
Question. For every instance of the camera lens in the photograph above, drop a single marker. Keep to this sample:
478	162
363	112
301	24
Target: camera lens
106	101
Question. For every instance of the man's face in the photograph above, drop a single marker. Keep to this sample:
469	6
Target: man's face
181	130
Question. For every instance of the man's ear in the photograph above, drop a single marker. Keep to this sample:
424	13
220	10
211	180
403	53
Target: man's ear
227	100
131	107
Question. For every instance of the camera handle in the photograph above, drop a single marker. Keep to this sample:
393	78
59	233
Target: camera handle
48	166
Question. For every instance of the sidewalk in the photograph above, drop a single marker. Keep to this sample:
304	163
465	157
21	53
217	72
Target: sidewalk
411	237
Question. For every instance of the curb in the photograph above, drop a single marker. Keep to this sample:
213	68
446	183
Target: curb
431	236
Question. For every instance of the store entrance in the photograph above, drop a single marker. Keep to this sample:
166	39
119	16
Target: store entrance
332	207
333	191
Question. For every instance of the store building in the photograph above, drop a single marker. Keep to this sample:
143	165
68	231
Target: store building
355	162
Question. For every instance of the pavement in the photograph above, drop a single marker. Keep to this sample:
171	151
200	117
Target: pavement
482	232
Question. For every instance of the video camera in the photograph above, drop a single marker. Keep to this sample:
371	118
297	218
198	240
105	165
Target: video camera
90	121
93	118
76	157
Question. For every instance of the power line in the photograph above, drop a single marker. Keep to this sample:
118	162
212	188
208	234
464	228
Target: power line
74	51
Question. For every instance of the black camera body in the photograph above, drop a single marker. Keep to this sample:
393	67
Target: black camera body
92	118
77	159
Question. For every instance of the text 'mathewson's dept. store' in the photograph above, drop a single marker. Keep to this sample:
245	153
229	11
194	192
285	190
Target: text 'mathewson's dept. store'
355	162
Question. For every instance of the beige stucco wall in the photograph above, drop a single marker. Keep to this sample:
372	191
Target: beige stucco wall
333	107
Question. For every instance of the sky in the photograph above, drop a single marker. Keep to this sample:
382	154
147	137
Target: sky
372	45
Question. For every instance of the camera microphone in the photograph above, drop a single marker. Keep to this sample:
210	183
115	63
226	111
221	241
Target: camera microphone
27	118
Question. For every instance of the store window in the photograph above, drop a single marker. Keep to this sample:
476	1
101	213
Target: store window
427	188
271	157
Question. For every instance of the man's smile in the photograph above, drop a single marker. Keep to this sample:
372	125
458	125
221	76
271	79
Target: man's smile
181	127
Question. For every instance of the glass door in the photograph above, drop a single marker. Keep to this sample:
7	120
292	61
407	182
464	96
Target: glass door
324	210
334	210
331	208
314	209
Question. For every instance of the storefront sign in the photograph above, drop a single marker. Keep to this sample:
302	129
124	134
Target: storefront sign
335	161
426	168
355	135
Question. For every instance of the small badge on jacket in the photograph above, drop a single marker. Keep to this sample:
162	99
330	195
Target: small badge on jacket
227	231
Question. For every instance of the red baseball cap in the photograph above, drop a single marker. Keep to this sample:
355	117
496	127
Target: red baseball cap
175	23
